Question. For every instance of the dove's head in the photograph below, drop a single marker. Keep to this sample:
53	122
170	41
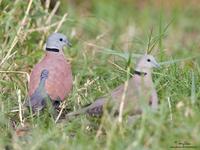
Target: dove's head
56	42
146	63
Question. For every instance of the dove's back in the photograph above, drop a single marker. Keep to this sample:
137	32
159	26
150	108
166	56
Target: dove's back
59	82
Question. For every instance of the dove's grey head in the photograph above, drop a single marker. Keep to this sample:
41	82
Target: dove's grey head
146	63
56	42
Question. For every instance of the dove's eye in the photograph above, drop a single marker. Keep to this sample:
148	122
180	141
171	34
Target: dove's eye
148	60
61	39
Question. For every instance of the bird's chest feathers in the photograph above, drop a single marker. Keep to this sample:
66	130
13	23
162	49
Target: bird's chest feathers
143	84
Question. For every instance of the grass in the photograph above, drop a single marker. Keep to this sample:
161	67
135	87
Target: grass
103	33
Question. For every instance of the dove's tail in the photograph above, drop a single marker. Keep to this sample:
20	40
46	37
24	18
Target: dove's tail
77	113
93	109
37	100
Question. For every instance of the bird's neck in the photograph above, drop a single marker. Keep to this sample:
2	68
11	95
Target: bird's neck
143	76
52	50
54	54
142	71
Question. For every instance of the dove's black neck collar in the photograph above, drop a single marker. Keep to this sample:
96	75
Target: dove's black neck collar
140	73
52	49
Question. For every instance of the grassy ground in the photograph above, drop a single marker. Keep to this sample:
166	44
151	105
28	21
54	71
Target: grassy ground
95	28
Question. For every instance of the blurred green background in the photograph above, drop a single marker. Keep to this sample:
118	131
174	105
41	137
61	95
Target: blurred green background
103	33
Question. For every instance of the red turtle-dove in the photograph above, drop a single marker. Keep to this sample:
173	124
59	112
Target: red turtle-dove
52	76
140	89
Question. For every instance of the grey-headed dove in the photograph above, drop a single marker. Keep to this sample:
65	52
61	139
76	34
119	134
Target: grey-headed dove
140	88
58	78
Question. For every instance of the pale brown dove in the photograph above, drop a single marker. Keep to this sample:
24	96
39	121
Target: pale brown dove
140	89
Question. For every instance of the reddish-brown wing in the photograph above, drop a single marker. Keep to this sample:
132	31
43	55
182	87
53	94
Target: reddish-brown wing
59	82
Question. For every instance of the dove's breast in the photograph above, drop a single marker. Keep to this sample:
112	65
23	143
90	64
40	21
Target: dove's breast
59	82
